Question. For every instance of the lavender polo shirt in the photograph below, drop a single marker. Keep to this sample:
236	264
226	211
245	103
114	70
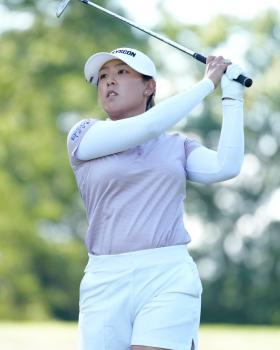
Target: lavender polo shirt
134	199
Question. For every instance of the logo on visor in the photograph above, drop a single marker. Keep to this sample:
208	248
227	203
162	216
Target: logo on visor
125	52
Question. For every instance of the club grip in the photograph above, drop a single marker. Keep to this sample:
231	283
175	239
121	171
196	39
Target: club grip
242	79
199	57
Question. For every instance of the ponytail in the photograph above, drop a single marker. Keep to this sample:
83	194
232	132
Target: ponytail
151	100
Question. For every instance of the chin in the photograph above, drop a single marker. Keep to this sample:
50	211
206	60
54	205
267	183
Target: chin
113	117
115	113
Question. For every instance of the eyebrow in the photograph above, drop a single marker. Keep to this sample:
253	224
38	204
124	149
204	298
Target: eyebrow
116	65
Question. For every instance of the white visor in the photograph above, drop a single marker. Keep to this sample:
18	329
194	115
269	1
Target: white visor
133	58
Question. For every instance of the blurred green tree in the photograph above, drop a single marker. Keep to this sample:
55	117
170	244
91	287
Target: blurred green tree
238	256
43	93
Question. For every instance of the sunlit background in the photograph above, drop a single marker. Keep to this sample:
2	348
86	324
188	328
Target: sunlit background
235	225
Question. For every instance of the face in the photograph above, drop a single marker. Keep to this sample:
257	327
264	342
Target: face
122	91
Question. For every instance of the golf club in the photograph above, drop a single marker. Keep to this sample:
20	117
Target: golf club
64	3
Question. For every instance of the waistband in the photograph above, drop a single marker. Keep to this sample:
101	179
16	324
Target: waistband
146	257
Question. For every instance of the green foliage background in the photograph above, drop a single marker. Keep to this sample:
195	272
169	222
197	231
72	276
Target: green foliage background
42	221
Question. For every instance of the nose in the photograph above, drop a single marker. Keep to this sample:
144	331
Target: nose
111	80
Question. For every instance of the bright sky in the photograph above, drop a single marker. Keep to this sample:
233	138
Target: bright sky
198	11
145	11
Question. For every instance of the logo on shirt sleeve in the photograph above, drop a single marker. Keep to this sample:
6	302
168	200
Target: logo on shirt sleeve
77	132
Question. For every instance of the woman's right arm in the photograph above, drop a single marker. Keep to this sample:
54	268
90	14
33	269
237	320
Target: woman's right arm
109	137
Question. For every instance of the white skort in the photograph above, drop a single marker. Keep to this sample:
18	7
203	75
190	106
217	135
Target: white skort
150	297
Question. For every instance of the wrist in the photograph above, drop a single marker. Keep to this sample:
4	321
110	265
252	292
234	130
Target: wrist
210	83
232	95
231	102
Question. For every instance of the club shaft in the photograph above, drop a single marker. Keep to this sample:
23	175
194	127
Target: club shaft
241	79
145	30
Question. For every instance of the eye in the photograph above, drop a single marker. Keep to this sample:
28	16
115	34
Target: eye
102	76
123	71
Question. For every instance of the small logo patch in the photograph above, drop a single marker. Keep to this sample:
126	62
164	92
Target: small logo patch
125	52
77	132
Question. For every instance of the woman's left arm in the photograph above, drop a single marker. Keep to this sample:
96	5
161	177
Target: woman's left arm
207	166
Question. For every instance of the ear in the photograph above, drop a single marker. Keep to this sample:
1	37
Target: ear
150	88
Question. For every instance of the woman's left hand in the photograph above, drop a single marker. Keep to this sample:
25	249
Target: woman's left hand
215	68
230	88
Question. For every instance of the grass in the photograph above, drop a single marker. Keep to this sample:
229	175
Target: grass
63	336
231	337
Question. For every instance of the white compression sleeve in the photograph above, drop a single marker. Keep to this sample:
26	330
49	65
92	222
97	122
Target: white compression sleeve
207	166
109	137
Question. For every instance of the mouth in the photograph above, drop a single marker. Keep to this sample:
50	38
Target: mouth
111	93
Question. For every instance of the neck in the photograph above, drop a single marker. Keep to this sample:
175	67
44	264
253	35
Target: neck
127	114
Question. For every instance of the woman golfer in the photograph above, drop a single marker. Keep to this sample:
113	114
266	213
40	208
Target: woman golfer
141	288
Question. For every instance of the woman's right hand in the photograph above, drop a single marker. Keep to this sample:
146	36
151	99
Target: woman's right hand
215	68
